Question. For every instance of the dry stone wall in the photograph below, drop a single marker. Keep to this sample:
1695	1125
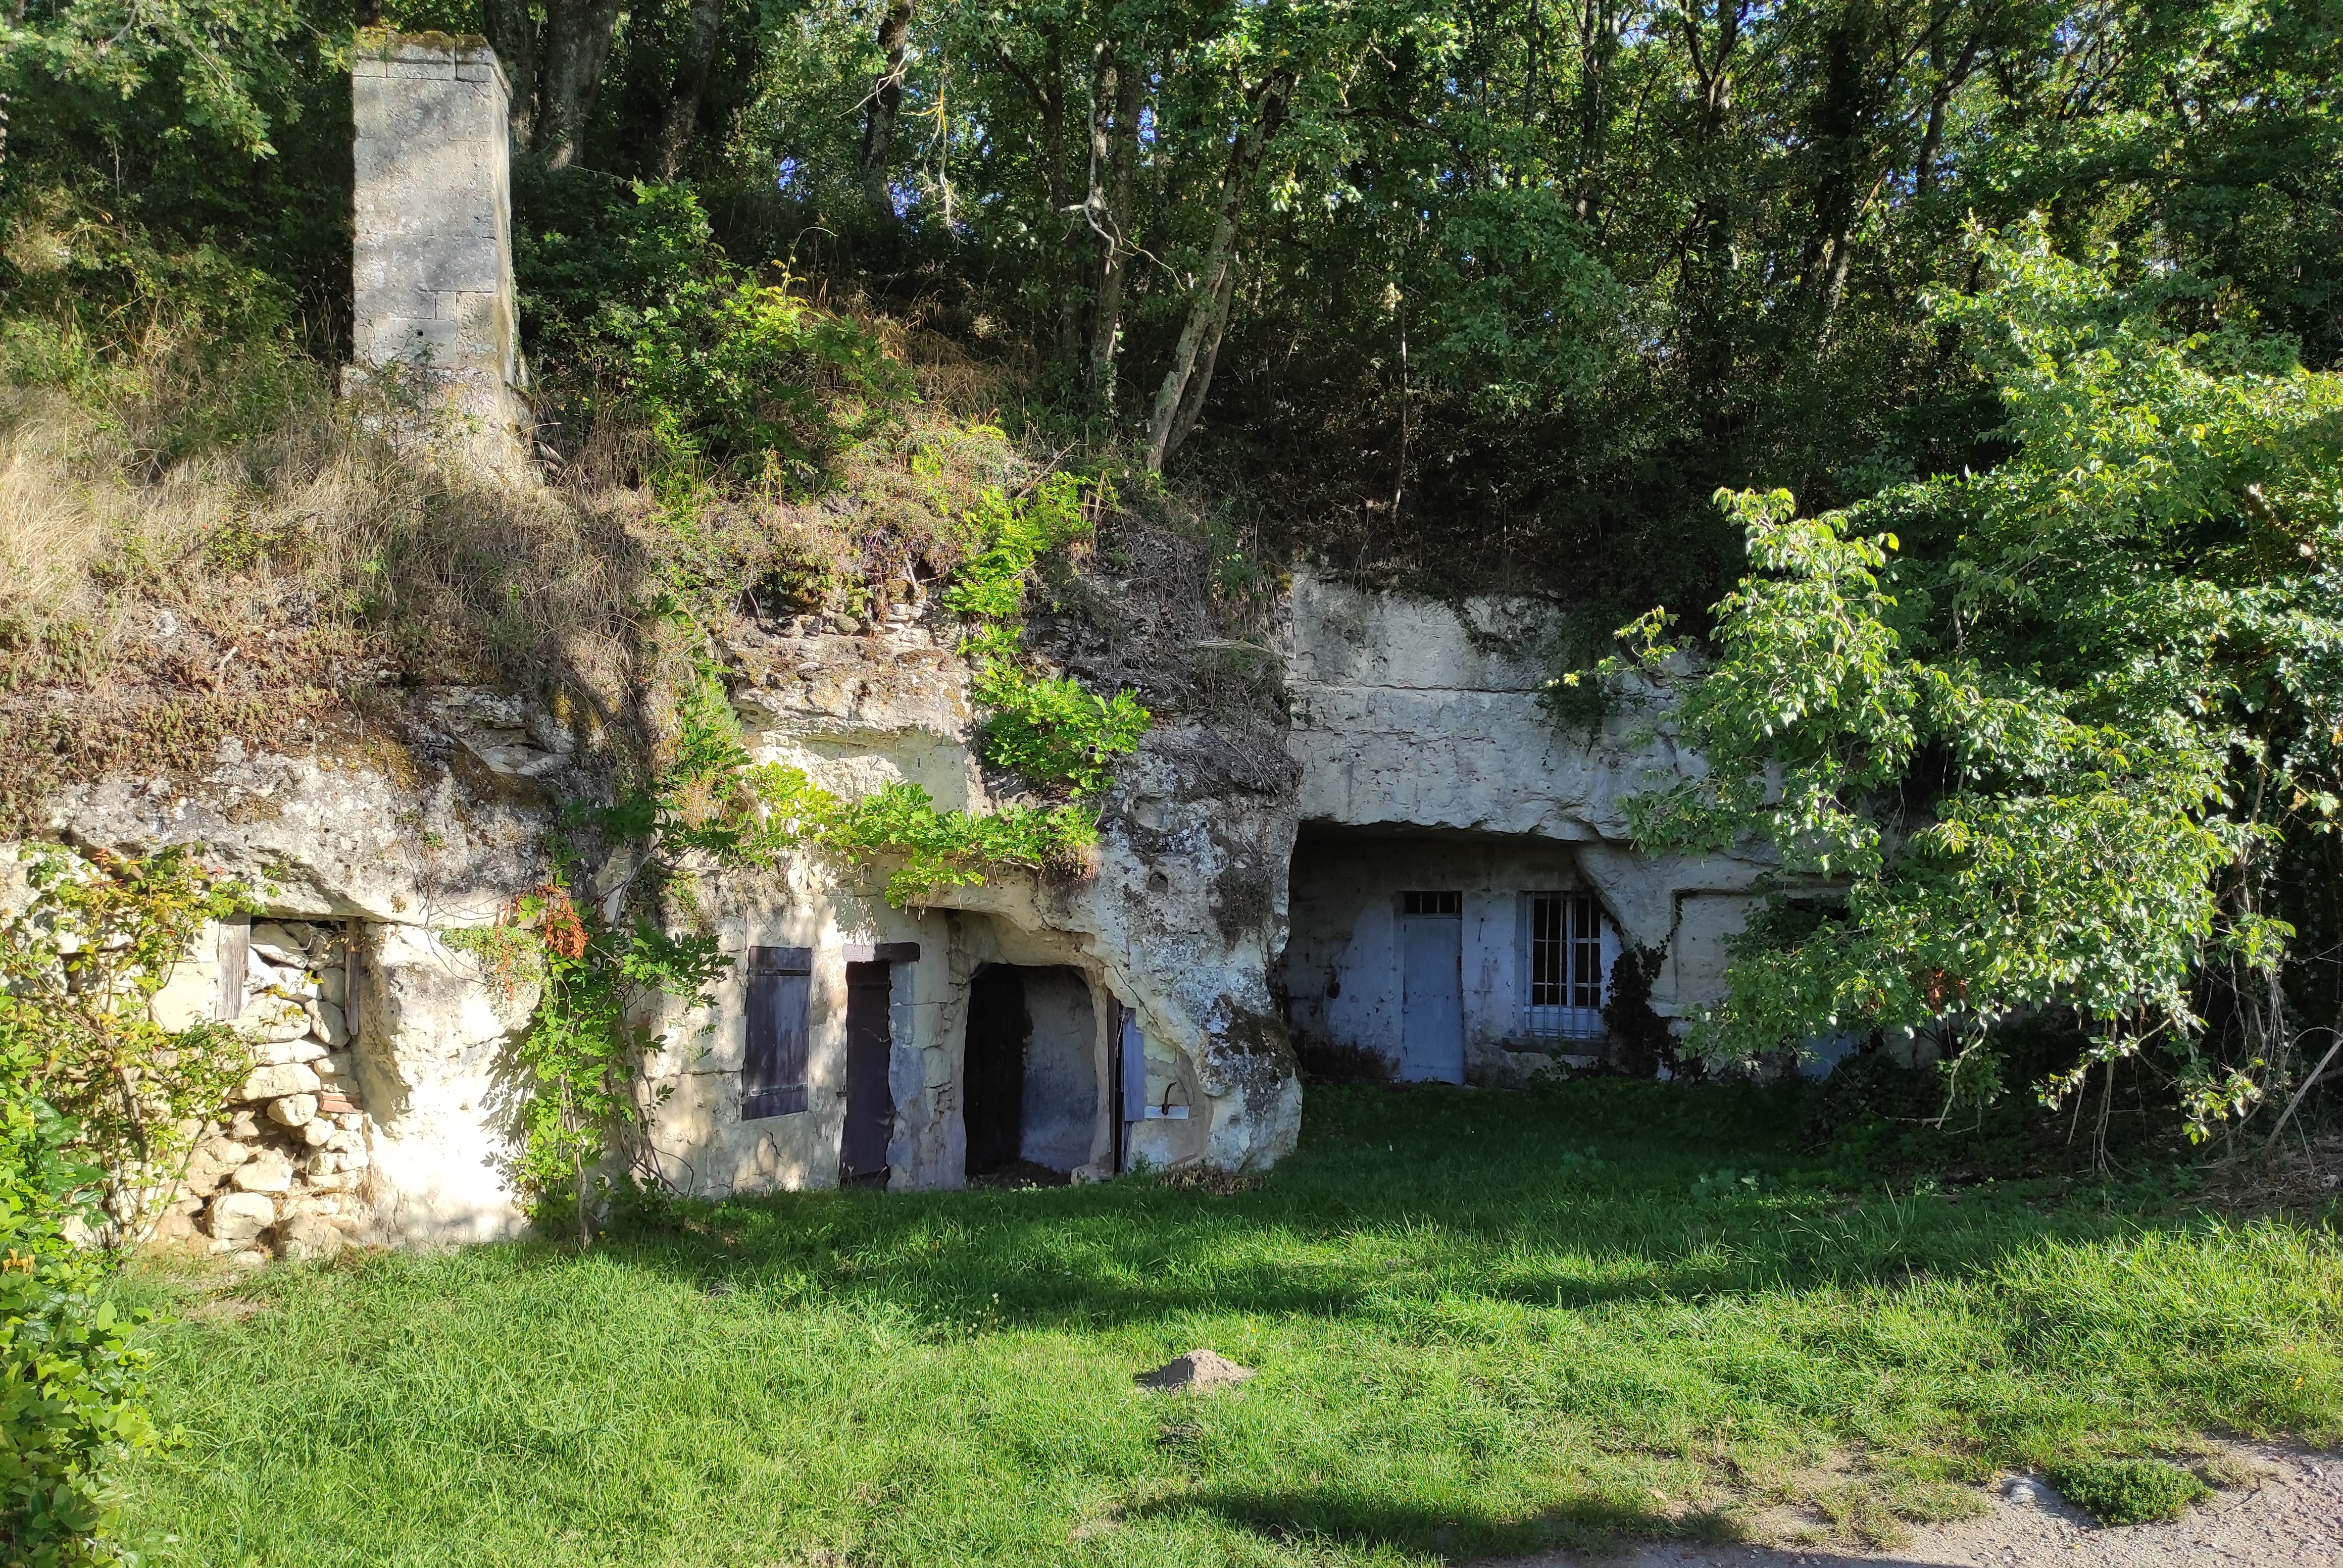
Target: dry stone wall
287	1166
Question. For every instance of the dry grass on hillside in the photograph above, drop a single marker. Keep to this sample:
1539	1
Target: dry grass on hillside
209	552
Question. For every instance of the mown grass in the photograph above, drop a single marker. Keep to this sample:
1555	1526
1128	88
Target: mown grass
1482	1322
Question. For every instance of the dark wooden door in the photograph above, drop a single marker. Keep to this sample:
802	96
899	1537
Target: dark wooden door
869	1103
993	1075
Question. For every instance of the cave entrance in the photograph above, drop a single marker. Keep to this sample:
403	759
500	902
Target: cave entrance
1031	1100
1442	955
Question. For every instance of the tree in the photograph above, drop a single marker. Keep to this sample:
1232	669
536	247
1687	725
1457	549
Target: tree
2039	736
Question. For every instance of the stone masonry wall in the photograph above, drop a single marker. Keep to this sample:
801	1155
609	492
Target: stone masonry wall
286	1166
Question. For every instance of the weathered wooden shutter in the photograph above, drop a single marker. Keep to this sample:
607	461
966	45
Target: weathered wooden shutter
234	956
773	1069
1132	1060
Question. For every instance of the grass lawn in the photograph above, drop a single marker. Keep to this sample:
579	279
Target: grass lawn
1483	1323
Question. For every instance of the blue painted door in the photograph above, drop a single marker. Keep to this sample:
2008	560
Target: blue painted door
1431	998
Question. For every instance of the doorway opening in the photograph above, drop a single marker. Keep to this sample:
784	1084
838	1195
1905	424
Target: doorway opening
1431	1004
870	1102
1029	1099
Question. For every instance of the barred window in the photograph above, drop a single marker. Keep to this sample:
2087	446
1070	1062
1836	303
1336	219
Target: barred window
1565	950
1431	903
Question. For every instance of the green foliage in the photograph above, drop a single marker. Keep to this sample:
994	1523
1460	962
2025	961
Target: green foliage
79	968
95	1102
219	59
639	312
1050	729
2128	1491
585	1042
2044	757
1054	731
73	1411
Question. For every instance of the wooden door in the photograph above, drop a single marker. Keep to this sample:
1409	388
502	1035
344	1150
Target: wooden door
1432	989
870	1102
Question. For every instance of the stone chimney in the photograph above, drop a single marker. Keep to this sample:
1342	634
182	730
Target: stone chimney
431	260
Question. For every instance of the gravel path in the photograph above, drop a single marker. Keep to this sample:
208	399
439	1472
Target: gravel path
2290	1515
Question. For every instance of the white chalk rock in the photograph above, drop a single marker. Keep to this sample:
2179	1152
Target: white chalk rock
276	943
294	1110
239	1216
310	1239
274	1083
269	1173
330	1026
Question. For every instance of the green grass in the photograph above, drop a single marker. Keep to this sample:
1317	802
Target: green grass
2128	1491
1482	1322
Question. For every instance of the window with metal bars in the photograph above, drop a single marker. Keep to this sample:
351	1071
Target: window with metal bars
1431	903
1565	951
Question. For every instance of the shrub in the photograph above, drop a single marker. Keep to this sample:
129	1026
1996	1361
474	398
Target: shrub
627	288
2128	1491
72	1386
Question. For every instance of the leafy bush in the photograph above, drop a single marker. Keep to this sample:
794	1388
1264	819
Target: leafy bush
73	1392
1050	729
81	964
1053	729
2128	1491
627	288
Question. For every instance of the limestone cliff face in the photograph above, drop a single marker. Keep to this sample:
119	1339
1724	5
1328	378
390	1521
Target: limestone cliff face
1405	713
403	836
1413	713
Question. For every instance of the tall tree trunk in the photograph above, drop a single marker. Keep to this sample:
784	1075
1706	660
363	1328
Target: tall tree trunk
1598	42
512	33
1192	404
885	108
577	35
682	113
1219	263
1932	142
1106	327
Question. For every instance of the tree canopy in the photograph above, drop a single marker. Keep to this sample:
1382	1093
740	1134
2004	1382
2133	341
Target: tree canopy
2034	305
2041	736
1460	293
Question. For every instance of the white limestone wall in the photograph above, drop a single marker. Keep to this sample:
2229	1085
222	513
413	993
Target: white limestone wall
1341	966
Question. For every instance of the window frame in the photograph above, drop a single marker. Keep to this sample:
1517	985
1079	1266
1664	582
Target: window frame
1566	929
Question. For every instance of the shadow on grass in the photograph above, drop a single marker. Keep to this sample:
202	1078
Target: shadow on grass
1350	1518
1579	1197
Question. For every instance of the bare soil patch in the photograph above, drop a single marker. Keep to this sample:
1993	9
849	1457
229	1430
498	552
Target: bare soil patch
2285	1511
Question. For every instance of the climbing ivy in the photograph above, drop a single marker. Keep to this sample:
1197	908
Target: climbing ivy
1053	731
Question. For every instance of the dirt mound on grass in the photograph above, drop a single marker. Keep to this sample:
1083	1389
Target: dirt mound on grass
1197	1372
